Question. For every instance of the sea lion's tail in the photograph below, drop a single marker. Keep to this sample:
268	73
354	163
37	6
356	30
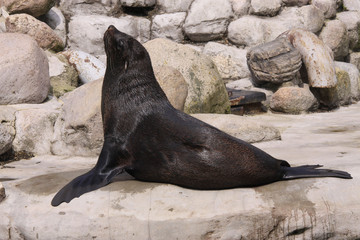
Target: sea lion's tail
311	171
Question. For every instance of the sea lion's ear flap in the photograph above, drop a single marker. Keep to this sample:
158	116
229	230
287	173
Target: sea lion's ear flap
119	44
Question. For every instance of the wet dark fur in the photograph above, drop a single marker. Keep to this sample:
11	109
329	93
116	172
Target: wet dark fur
146	137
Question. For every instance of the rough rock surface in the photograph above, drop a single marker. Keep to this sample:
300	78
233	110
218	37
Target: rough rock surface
276	62
24	70
168	26
5	139
86	31
328	7
42	33
351	5
353	72
230	61
352	23
315	56
206	21
240	127
265	8
56	20
293	100
354	58
172	6
86	7
335	35
207	92
240	7
304	208
32	7
173	84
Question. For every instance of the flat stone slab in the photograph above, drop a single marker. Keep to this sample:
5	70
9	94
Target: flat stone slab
326	208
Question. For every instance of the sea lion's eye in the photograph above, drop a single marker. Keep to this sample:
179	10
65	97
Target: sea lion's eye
119	44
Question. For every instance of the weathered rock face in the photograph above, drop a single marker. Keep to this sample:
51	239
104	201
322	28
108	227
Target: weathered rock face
56	20
207	92
275	62
24	70
171	6
293	100
315	56
138	3
240	7
42	33
230	61
240	127
352	23
334	35
32	7
206	21
86	31
265	8
351	5
168	26
173	84
85	7
354	76
328	7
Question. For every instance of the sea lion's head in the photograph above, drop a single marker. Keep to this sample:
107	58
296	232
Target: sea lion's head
122	50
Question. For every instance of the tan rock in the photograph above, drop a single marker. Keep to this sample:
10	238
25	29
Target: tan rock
173	84
32	7
42	33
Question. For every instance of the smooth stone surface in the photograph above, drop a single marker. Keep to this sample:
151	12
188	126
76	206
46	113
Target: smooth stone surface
24	70
265	8
207	92
351	5
206	21
352	23
86	31
168	26
42	33
307	208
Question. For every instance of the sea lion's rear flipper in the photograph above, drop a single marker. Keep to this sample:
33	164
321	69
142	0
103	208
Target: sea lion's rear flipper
310	171
108	166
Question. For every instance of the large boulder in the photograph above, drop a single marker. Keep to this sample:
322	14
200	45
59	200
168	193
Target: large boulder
42	33
352	23
265	8
335	35
206	21
24	70
32	7
207	91
328	7
168	26
86	36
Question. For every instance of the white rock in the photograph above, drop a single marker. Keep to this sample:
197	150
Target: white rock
168	26
86	31
265	8
352	23
354	58
171	6
138	3
353	72
335	35
241	84
351	5
328	7
85	7
236	57
89	67
206	21
24	70
315	56
56	20
240	7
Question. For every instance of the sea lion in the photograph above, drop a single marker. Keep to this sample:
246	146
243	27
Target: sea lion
152	141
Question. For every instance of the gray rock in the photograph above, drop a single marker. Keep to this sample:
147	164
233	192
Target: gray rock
206	21
240	7
6	139
230	61
56	20
207	92
31	7
315	56
173	84
138	3
354	58
42	33
240	127
353	72
298	3
241	84
86	7
351	5
275	62
88	37
334	35
293	100
265	8
168	26
328	7
24	70
171	6
352	23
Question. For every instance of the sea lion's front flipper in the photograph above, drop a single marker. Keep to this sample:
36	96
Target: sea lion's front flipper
108	166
